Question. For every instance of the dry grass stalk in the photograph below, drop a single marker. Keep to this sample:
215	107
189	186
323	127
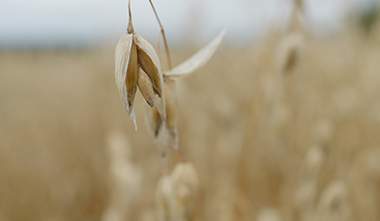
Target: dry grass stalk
298	3
290	48
271	112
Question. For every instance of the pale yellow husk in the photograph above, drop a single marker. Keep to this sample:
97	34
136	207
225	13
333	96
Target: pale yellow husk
122	64
146	87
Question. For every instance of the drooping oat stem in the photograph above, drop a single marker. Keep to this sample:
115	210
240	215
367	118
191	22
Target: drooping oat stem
172	156
163	37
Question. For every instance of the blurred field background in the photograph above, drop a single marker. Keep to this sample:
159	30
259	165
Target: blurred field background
266	146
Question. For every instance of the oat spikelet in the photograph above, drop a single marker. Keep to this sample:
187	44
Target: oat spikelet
149	62
131	52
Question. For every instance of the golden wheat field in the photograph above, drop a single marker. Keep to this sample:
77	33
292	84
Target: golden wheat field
266	144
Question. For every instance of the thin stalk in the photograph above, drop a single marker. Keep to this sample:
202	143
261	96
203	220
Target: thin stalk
163	37
158	43
130	29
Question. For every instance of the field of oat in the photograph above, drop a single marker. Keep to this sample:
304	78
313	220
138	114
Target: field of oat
270	140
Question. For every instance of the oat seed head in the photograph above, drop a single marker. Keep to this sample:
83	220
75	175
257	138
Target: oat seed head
185	186
132	52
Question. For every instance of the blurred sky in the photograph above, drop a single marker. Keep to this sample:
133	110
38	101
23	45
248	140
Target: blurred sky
45	23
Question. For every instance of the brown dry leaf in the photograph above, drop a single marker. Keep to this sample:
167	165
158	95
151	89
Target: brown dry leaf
198	59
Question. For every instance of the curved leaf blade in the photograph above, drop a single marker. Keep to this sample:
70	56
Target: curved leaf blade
199	59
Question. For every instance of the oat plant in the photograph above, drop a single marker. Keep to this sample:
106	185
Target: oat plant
137	66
